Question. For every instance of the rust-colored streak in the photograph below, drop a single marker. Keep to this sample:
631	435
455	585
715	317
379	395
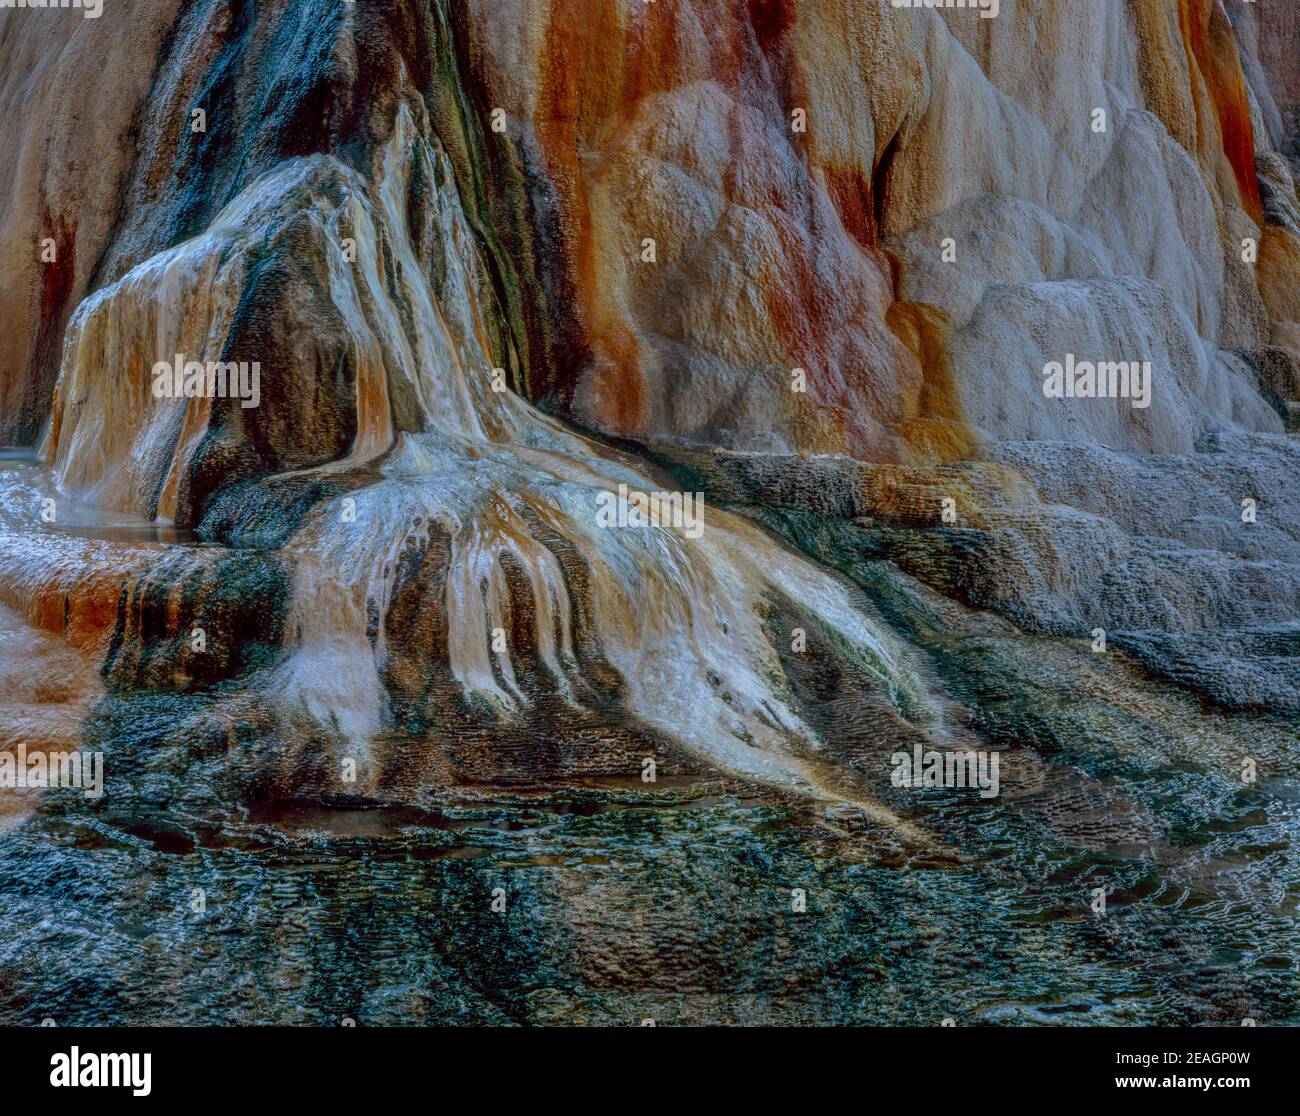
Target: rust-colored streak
1212	52
566	72
624	405
771	19
56	278
652	62
851	194
938	431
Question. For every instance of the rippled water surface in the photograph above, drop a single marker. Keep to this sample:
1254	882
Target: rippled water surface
672	904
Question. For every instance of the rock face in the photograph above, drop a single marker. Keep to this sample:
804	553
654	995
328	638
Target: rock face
921	126
454	568
1270	54
346	344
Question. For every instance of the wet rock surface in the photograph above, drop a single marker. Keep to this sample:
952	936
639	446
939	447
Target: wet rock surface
674	902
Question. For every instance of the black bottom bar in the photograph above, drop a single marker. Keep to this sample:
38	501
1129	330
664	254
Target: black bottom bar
344	1063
